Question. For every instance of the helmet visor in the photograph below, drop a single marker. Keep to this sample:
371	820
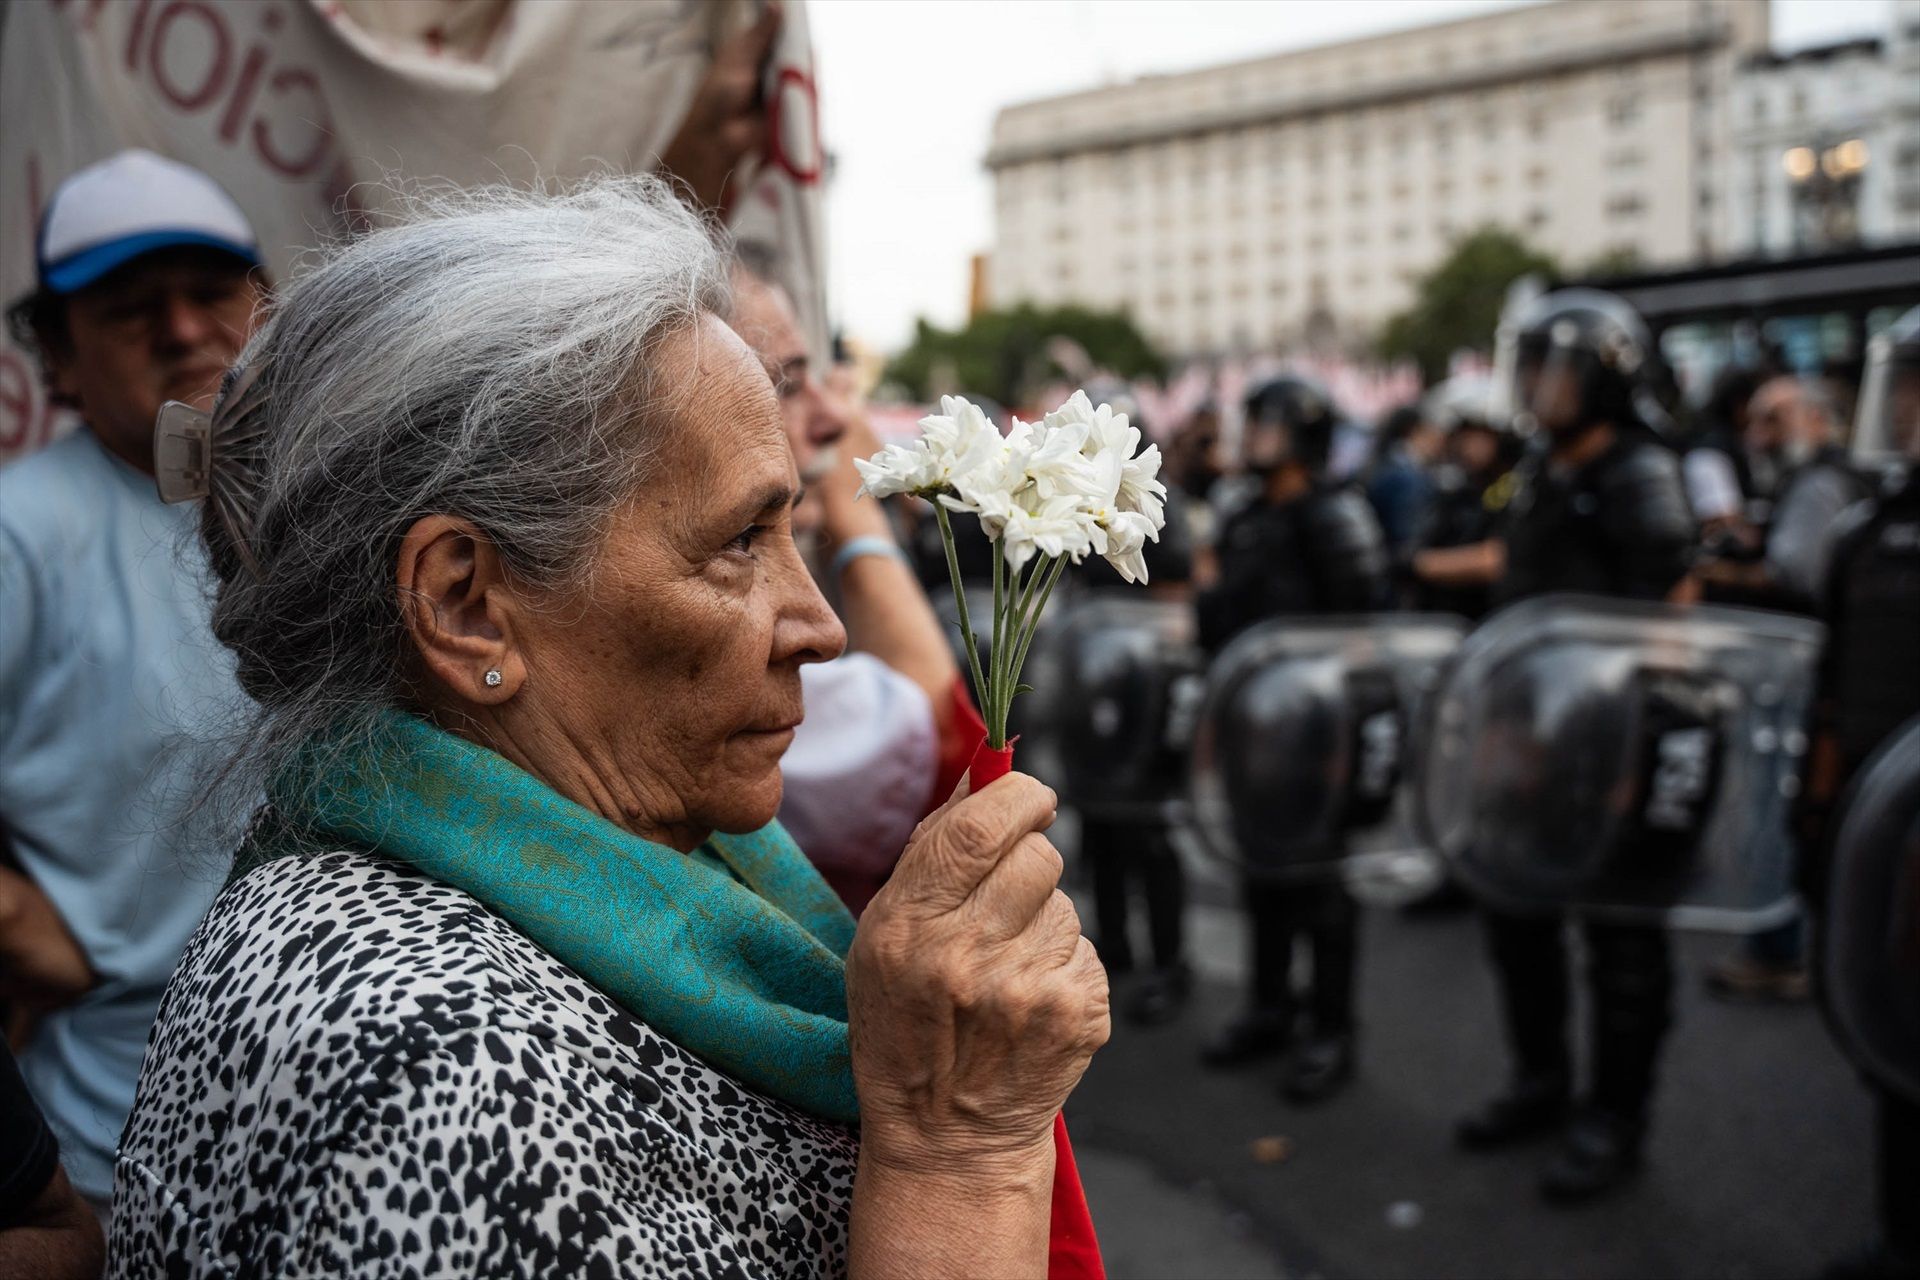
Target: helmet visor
1542	381
1887	425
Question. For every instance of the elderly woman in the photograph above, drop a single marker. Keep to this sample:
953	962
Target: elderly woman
516	974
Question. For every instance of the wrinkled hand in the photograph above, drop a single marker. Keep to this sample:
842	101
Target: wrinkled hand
726	123
975	1003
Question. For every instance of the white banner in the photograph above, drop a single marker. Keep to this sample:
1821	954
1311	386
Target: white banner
301	108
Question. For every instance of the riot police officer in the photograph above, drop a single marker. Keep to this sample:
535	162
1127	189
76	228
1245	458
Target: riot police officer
1304	545
1457	558
1601	507
1135	849
1870	685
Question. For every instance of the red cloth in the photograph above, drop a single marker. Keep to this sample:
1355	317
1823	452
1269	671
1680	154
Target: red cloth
1073	1252
964	733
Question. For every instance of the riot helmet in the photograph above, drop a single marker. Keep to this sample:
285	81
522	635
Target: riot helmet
1887	422
1570	360
1480	435
1289	419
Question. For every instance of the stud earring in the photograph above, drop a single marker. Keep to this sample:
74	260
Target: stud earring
493	679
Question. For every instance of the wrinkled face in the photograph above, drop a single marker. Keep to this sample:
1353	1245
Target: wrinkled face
164	327
814	422
1771	416
680	666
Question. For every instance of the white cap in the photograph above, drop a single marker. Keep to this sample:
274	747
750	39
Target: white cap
133	203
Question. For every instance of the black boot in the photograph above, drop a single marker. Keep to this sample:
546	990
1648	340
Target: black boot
1534	1105
1256	1034
1161	996
1601	1154
1318	1068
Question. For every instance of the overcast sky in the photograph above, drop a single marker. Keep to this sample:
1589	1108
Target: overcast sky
909	89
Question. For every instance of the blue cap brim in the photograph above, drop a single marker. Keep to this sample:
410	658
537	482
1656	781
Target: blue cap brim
79	270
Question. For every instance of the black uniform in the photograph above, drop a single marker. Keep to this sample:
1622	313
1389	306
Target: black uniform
1141	850
1466	510
1618	526
1870	686
1322	553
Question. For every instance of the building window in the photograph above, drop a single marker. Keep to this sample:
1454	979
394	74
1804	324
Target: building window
1628	205
1623	110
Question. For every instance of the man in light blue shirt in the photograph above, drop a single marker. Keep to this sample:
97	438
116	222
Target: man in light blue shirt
114	696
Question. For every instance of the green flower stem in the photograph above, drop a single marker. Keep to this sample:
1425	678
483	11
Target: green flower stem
960	602
996	718
1010	614
1032	623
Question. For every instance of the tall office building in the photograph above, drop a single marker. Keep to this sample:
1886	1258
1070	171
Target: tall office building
1261	203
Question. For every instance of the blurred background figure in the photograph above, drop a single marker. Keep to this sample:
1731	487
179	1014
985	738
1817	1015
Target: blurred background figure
1793	424
1305	545
1135	855
1457	557
1870	686
1602	509
1794	429
111	686
1400	480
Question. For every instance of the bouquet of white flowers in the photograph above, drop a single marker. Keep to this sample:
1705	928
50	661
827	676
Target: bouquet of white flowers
1059	490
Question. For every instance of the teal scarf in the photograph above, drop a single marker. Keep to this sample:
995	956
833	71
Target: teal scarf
734	952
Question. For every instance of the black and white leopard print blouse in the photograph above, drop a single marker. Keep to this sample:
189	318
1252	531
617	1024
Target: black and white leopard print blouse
358	1071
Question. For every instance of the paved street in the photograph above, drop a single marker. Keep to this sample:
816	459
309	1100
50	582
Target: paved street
1759	1165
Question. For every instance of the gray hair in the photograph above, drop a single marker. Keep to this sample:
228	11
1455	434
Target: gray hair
487	358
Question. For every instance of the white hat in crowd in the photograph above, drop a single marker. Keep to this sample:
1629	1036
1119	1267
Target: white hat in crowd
110	213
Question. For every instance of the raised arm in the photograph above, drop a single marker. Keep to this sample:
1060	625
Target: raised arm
975	1005
885	611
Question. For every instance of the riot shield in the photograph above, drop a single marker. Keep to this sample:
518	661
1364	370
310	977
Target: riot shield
1123	679
1635	761
1301	756
1870	940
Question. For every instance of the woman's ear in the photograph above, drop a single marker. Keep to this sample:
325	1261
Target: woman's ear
459	610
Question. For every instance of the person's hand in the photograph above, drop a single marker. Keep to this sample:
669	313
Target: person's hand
846	515
726	123
974	1002
42	965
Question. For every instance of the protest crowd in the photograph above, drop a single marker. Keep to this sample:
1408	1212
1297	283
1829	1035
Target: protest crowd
486	788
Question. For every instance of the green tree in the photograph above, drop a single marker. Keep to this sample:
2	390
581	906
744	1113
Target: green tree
1621	260
1457	304
1004	353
